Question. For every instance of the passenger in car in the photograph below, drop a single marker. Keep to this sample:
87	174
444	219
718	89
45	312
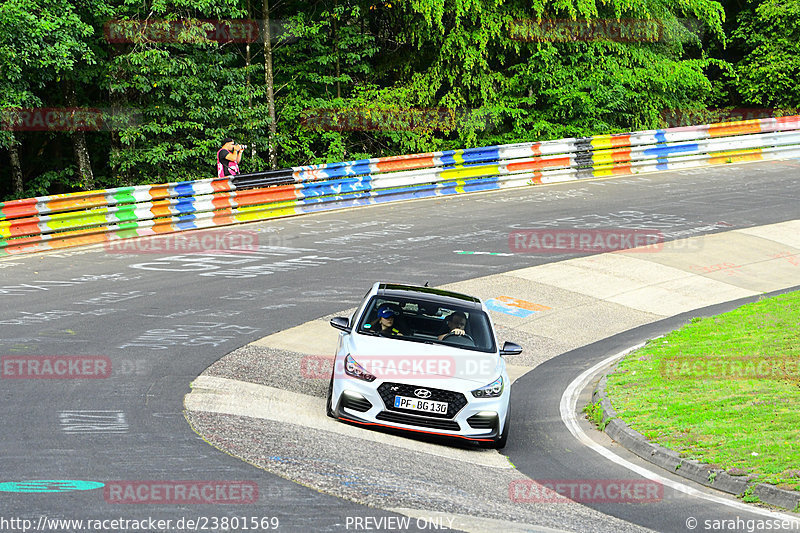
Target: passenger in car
456	324
385	325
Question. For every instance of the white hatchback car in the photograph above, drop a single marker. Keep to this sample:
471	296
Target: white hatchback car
422	360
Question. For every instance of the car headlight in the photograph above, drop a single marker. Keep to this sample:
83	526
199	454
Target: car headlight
352	368
492	390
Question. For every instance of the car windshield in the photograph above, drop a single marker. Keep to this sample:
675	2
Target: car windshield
424	321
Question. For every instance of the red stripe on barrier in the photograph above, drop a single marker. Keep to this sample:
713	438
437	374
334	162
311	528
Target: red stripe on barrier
19	208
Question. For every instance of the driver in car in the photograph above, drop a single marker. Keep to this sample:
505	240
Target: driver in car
456	325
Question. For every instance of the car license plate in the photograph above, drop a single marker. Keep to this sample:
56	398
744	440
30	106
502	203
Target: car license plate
418	404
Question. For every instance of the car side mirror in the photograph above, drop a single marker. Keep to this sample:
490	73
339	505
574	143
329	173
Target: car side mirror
510	348
342	323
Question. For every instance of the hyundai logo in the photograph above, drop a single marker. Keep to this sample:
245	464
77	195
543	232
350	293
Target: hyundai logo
422	393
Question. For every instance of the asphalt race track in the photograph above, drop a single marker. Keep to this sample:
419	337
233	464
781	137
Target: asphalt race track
161	318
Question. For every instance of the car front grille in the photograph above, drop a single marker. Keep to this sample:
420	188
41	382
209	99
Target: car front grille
419	421
455	400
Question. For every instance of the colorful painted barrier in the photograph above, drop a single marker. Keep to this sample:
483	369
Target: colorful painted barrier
51	222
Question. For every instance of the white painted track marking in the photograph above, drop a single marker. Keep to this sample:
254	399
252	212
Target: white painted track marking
569	401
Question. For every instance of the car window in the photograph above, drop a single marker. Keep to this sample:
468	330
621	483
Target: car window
424	321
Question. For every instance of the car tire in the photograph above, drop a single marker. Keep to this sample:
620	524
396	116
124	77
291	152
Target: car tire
329	402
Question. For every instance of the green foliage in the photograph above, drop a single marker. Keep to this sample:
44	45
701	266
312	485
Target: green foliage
769	36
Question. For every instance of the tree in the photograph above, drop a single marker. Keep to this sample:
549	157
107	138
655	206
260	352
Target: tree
40	43
768	36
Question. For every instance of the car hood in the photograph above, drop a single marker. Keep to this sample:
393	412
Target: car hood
416	362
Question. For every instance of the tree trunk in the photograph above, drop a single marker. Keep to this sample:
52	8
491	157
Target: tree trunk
83	161
16	168
336	48
249	61
85	174
270	81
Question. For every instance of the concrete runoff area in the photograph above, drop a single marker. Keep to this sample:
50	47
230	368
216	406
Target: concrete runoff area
576	302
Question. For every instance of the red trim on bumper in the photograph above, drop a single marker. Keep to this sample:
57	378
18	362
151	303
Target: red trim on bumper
415	430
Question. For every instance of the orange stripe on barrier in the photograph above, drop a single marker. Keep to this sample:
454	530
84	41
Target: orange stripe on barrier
536	149
222	200
68	204
405	164
622	169
159	192
224	216
618	141
221	185
725	129
163	226
78	240
25	226
30	246
161	209
735	156
265	196
539	164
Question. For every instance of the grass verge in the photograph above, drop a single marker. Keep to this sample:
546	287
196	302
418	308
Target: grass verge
723	390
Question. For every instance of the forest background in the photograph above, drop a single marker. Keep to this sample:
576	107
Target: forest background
108	93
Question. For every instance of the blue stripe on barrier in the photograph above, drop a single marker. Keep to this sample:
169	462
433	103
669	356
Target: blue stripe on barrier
661	136
185	188
186	222
484	154
448	158
473	185
185	205
665	151
343	186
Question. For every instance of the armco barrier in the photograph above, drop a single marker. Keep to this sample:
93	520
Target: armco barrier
51	222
